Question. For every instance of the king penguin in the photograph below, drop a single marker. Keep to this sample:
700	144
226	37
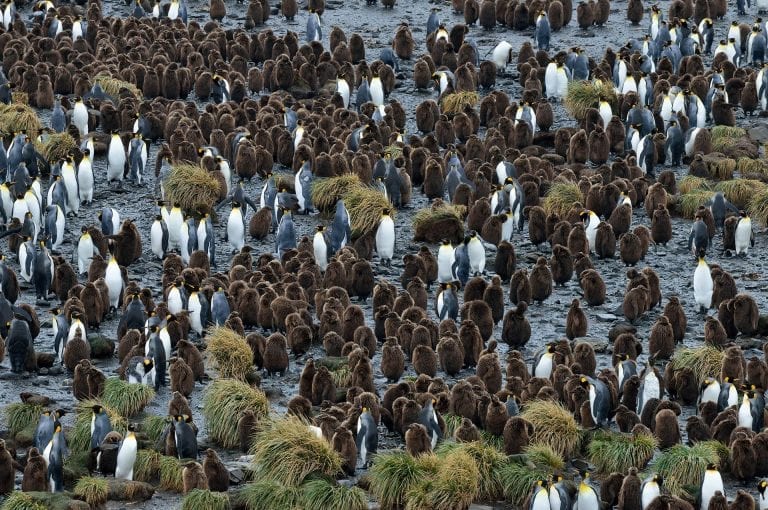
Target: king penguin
385	238
303	185
219	307
650	386
236	227
367	437
285	239
625	368
559	494
137	158
540	496
114	279
703	286
650	490
729	395
709	391
85	179
175	221
110	221
186	438
57	450
762	496
42	275
587	497
60	327
711	482
698	239
314	31
126	455
341	231
100	425
116	158
44	430
55	223
158	236
446	302
599	400
544	362
80	116
445	260
377	90
476	252
85	250
591	222
428	418
139	369
320	248
205	239
69	178
745	236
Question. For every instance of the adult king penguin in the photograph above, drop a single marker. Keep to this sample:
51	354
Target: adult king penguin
745	236
367	436
126	455
385	238
599	400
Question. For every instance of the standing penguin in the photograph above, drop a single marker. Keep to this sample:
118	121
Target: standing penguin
703	286
19	345
285	239
762	496
428	418
57	449
205	239
303	184
587	497
674	146
114	279
542	32
476	253
745	236
219	307
447	303
599	400
650	490
116	158
367	436
540	496
155	350
341	230
140	370
80	116
186	438
314	31
385	238
321	248
445	260
44	430
711	482
591	222
137	158
100	425
236	227
55	223
544	362
698	239
126	455
43	273
158	236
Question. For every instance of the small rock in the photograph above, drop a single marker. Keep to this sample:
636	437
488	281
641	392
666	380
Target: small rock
759	133
606	317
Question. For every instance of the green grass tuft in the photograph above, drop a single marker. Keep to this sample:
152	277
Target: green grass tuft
147	465
435	223
223	402
192	187
611	452
719	167
452	104
126	399
153	427
22	501
93	491
113	85
518	478
56	146
683	466
198	499
740	191
457	483
19	416
326	192
689	202
80	436
752	166
758	207
561	197
288	452
231	355
489	461
543	455
171	474
322	494
365	206
15	118
691	182
553	425
705	361
393	474
267	495
583	95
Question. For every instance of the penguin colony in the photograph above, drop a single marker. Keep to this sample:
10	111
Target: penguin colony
267	98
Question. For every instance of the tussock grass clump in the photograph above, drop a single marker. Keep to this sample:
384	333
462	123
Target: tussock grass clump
365	206
147	465
705	361
583	95
752	166
15	118
288	452
126	399
223	401
19	97
518	478
719	132
543	455
80	437
691	182
455	103
758	207
740	191
56	146
93	491
719	167
19	416
229	351
683	466
326	192
611	452
489	462
153	426
452	423
192	187
171	474
23	501
553	425
198	499
394	474
443	221
341	376
321	494
113	85
689	202
268	495
561	197
456	485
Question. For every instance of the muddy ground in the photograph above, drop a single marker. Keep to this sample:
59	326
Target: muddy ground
674	264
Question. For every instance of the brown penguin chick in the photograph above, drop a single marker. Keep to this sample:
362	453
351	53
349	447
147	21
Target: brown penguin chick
742	458
516	330
463	401
7	470
471	342
179	405
733	364
300	407
561	265
722	111
193	477
630	249
75	350
605	241
593	287
577	240
392	360
182	377
217	10
602	9
343	443
714	333
323	386
540	281
625	419
451	355
743	501
215	471
584	355
576	321
289	8
35	473
187	351
635	303
584	15
417	440
697	430
276	354
661	225
610	487
424	361
489	370
676	315
487	16
627	343
635	11
630	491
599	145
246	427
520	287
661	342
745	314
517	435
621	219
467	432
495	417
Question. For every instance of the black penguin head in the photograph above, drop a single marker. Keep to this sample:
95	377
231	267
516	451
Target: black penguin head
711	467
762	486
658	479
320	228
584	382
97	409
743	213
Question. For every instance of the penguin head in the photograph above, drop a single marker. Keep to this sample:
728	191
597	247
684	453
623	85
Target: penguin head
551	348
658	479
235	204
762	486
711	467
385	211
584	382
147	363
320	228
743	213
97	409
445	242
